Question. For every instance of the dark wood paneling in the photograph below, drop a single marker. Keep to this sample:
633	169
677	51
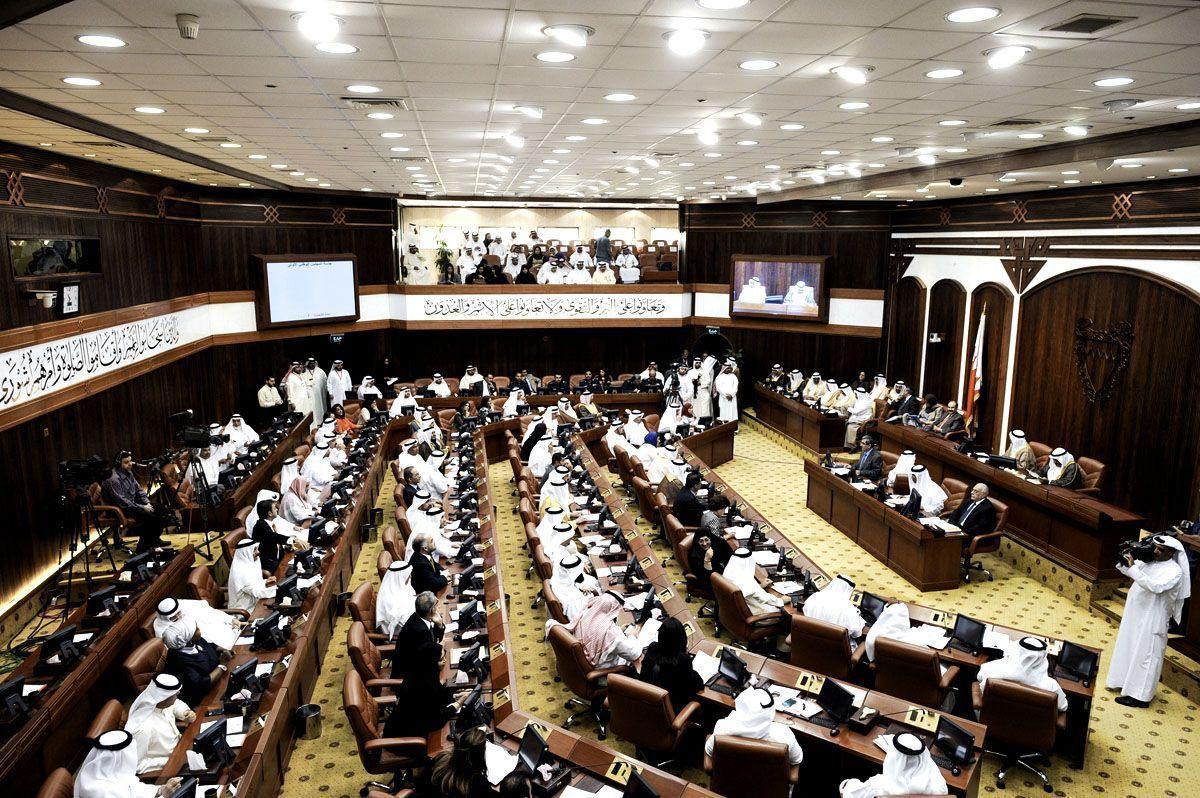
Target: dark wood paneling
947	306
907	327
832	355
1148	432
998	301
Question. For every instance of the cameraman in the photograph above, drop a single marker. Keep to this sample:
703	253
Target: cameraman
123	491
1161	585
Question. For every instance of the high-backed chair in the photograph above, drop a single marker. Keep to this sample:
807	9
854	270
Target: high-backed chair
673	530
1022	723
367	658
202	586
823	647
59	784
1041	451
642	489
383	562
144	663
379	754
554	607
734	759
912	673
362	609
956	492
590	685
695	588
985	544
392	543
233	538
111	716
502	383
642	713
734	616
1091	472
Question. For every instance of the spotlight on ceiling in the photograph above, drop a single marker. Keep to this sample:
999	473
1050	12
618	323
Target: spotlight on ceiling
318	26
1004	57
685	41
570	35
853	74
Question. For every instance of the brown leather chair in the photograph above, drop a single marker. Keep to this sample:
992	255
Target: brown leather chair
144	663
554	607
1022	724
383	562
362	609
734	616
578	675
233	538
735	758
445	417
392	543
1042	452
1091	472
502	384
378	754
59	784
111	716
642	714
912	673
202	586
367	658
642	490
985	544
695	588
675	531
823	647
956	491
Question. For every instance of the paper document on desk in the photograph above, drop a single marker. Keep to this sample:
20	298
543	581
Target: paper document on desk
863	486
235	740
786	588
781	692
884	742
940	523
705	665
741	532
649	631
603	573
499	763
896	501
195	762
30	689
992	638
767	557
264	669
604	792
590	517
799	707
840	470
928	635
636	601
593	540
233	725
307	582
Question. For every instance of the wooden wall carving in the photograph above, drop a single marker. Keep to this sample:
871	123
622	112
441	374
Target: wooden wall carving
1023	258
1101	357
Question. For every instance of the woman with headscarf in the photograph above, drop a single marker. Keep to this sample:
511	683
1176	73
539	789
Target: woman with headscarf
666	663
396	601
832	604
219	627
110	771
1061	469
460	772
604	643
903	467
368	388
710	554
572	585
740	570
247	585
195	661
933	496
753	718
295	504
154	720
908	769
1025	663
1020	450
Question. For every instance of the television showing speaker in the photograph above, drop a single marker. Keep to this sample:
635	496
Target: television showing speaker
787	288
300	290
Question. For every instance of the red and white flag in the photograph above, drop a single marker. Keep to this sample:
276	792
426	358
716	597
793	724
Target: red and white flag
975	381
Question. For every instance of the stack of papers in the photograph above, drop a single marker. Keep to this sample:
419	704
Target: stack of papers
863	485
840	470
786	588
940	523
649	631
499	763
603	792
705	665
741	532
636	602
799	707
767	557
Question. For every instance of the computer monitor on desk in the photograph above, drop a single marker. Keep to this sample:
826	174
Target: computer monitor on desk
637	787
12	699
871	607
1077	663
835	701
212	745
967	635
61	644
533	751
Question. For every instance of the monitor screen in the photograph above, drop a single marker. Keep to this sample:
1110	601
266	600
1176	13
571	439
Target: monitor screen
314	289
779	287
1077	659
532	751
969	631
637	787
871	607
53	256
836	701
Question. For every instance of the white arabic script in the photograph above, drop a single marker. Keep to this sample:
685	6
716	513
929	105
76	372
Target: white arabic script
527	306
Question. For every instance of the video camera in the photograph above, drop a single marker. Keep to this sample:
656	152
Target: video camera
83	472
1140	550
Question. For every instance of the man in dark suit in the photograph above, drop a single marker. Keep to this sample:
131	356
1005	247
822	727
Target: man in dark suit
906	404
421	629
426	573
951	421
412	484
687	507
976	515
870	462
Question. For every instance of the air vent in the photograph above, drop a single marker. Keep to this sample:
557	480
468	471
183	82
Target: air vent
409	159
94	145
1087	24
211	139
369	103
1017	123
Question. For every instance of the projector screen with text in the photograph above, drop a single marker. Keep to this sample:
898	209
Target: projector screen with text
316	290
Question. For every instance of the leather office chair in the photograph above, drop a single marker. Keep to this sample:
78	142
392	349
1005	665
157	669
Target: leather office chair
378	754
383	562
404	529
554	607
444	417
144	663
233	538
502	383
642	489
675	531
956	491
1022	723
985	544
392	543
912	673
395	466
823	647
642	714
695	589
367	658
202	586
59	784
1042	452
1091	472
422	382
589	684
651	421
735	758
111	716
734	616
362	609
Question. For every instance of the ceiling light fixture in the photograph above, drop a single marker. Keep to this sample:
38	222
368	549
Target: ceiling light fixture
318	26
1004	57
758	64
852	74
554	57
532	111
1106	83
791	126
100	40
685	41
882	139
708	138
747	143
854	106
230	145
952	122
198	131
335	48
1177	170
279	166
754	120
944	73
973	14
594	120
149	109
576	138
400	149
1131	166
363	88
391	134
570	35
620	97
74	81
380	115
514	141
927	158
712	155
296	173
771	167
1077	130
1031	136
956	150
1187	106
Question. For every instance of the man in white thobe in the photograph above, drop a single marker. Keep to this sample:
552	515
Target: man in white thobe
439	387
513	264
470	378
317	382
753	292
466	264
553	273
338	384
581	258
154	719
862	409
627	266
741	570
702	405
578	274
299	390
498	248
1160	589
726	388
1024	663
832	604
604	275
908	769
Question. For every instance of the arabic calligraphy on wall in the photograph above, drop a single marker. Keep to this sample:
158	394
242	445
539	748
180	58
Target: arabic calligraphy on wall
523	307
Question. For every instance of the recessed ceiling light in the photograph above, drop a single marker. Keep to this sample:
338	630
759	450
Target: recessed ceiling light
944	73
1077	130
198	131
882	139
747	143
956	150
230	145
149	109
1070	171
391	134
952	122
550	161
45	144
366	188
758	64
380	115
707	137
991	189
400	149
852	74
712	155
542	171
576	138
77	81
594	120
311	179
363	88
854	106
99	40
1131	166
1177	170
561	151
1006	180
318	26
973	14
1105	83
791	126
532	111
876	165
927	158
279	166
1187	107
93	155
555	57
685	41
455	160
412	168
831	152
323	185
336	48
687	163
1070	182
1031	136
244	185
1004	57
570	35
296	173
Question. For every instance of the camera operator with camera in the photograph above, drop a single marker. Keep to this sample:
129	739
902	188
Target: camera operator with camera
123	491
1161	585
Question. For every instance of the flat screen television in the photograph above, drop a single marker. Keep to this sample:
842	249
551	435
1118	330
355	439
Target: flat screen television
298	290
779	287
41	257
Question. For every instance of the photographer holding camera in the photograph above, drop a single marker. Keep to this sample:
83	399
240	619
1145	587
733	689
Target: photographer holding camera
123	491
1161	584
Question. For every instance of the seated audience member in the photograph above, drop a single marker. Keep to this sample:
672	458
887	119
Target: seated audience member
123	491
439	387
110	771
870	461
837	399
411	481
627	265
465	265
427	573
368	388
513	264
666	663
687	507
525	276
553	272
832	604
1024	663
930	413
778	379
154	720
422	628
465	410
492	274
247	584
460	772
471	383
296	507
397	600
908	769
814	388
894	624
219	627
933	496
405	404
860	410
976	515
951	420
581	259
741	572
753	718
862	381
903	468
1020	450
604	275
1061	469
196	662
517	784
537	257
605	644
556	385
903	405
343	424
423	703
578	274
572	585
709	555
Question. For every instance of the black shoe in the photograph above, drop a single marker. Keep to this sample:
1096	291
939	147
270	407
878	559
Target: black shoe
1129	701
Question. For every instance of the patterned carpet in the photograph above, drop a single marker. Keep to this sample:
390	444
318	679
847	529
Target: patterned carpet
1132	753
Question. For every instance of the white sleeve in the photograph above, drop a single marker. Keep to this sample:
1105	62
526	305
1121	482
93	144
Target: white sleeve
1155	584
627	648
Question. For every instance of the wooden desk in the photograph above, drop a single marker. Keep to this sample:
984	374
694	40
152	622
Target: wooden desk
1077	531
908	548
714	445
807	426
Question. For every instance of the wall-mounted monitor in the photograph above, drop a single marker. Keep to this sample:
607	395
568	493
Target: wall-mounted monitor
307	290
53	257
779	287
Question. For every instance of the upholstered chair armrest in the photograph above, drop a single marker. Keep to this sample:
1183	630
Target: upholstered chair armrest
597	675
976	696
383	684
111	510
948	677
401	746
691	713
857	657
765	619
979	540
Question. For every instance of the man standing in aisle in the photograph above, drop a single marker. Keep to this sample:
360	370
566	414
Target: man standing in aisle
317	379
726	388
270	403
604	247
299	390
338	384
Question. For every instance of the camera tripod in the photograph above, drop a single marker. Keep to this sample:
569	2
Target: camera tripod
77	515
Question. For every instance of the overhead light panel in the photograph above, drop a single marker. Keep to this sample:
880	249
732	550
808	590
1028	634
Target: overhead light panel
758	64
686	41
751	119
554	57
852	74
882	139
380	115
708	138
927	158
973	14
149	109
944	73
854	106
570	35
791	126
620	97
78	81
1031	136
594	120
1077	130
1107	83
318	26
514	141
100	40
1005	57
532	111
952	122
335	48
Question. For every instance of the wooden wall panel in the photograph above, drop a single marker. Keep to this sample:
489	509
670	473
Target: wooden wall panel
905	343
947	307
998	301
1148	432
832	355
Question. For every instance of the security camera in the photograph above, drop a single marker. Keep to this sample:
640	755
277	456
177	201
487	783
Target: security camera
189	26
44	298
956	181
